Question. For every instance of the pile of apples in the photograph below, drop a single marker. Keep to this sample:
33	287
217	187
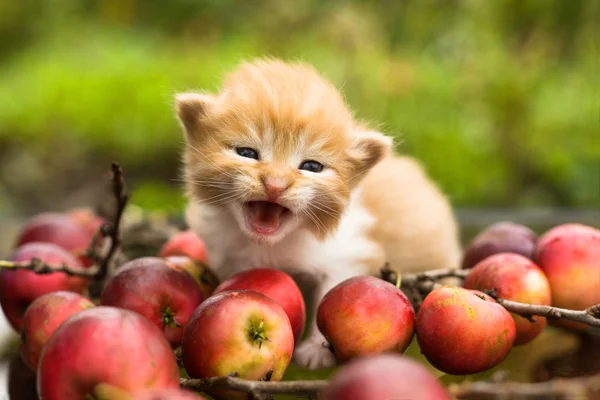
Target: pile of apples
165	315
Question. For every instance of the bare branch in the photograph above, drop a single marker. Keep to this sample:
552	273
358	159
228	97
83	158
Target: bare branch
39	267
572	388
589	316
112	229
241	385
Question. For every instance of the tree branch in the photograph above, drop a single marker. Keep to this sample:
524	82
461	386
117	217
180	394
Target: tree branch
109	229
241	385
112	229
572	388
590	316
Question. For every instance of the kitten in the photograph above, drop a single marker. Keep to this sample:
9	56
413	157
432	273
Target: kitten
279	174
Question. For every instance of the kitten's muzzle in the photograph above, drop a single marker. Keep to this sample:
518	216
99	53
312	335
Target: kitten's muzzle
265	217
274	187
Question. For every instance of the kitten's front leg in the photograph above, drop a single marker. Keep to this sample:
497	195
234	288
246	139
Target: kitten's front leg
314	352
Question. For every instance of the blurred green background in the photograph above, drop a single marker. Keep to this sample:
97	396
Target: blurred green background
499	99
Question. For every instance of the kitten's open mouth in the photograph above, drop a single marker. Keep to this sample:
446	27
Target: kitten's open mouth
264	217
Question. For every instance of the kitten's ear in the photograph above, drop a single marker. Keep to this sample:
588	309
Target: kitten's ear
368	148
190	108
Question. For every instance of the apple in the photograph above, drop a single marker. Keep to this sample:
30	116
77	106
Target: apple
515	278
18	288
87	218
365	315
501	237
384	376
205	278
148	286
185	243
276	285
238	331
105	391
43	317
59	229
569	255
462	331
105	345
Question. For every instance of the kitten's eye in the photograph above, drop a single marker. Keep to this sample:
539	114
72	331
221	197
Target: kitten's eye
311	166
247	152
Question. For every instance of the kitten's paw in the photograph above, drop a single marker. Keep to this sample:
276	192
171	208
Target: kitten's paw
313	353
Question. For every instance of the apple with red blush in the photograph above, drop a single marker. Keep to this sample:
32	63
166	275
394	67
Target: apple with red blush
569	256
166	296
105	345
19	288
276	285
517	278
184	243
384	376
43	317
501	237
462	331
237	331
206	279
60	229
364	316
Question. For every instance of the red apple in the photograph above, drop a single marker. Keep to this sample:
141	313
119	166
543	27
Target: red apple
105	391
501	237
167	394
462	331
164	295
18	288
237	331
365	315
569	255
515	278
384	376
43	317
185	243
59	229
201	272
87	218
105	345
276	285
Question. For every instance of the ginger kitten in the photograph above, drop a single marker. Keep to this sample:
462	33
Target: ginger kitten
279	174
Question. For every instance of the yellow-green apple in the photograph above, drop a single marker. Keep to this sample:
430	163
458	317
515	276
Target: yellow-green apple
18	288
185	243
365	315
384	376
43	317
501	237
105	345
516	278
59	229
148	286
201	272
237	331
569	255
462	331
276	285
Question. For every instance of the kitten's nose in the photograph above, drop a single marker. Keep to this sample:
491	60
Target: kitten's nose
274	186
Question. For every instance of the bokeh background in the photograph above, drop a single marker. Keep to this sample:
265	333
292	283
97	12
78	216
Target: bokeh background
499	99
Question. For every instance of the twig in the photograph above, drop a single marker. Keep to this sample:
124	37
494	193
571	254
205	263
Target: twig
589	316
571	388
112	229
39	267
241	385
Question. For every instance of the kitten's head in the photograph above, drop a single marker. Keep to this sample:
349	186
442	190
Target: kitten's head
277	148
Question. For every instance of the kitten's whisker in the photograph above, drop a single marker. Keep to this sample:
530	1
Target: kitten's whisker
209	161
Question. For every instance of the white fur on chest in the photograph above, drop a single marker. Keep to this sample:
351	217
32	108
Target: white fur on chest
230	251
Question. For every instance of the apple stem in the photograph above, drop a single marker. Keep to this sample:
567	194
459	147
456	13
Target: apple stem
169	318
257	334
